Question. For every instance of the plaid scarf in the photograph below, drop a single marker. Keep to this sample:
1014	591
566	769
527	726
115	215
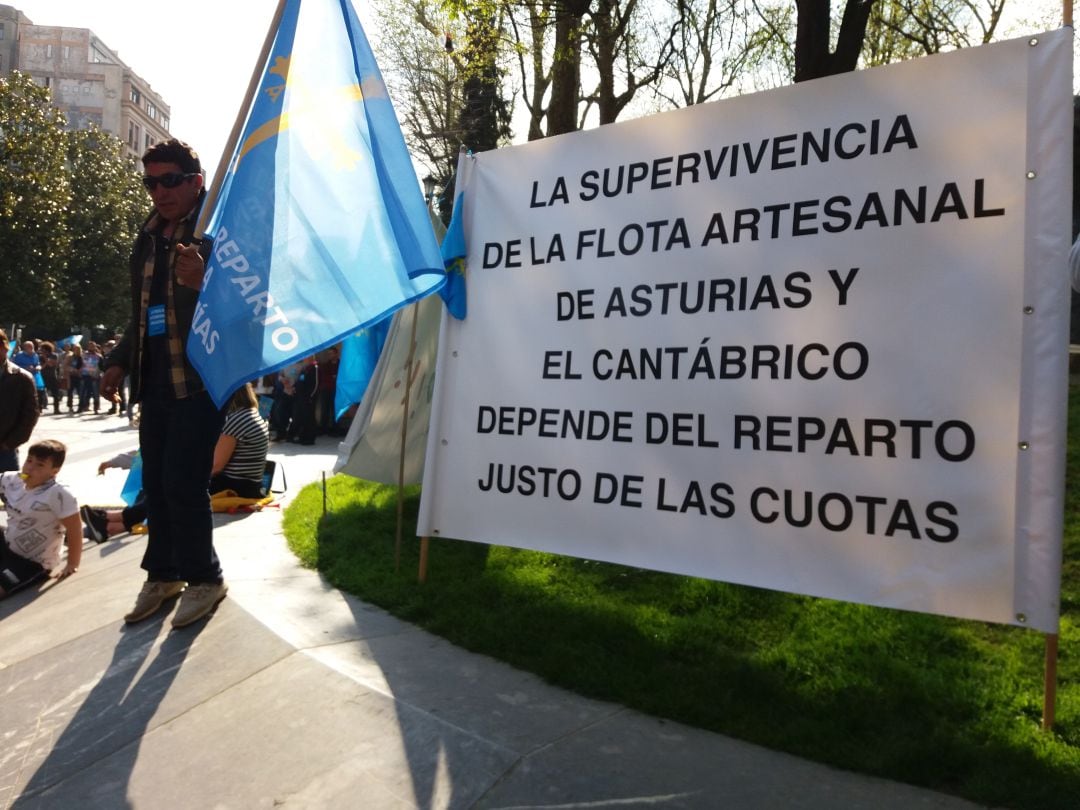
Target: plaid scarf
185	380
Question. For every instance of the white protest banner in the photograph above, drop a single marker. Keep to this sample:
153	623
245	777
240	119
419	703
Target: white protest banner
372	449
813	340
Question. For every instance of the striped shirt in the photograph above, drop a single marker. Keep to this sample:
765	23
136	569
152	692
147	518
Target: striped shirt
252	442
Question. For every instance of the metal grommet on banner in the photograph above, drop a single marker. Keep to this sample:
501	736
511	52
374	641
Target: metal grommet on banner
1023	445
1022	618
1032	174
445	443
1033	41
1029	310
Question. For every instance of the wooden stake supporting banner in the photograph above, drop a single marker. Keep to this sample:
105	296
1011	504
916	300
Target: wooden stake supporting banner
424	543
1050	685
1066	14
404	435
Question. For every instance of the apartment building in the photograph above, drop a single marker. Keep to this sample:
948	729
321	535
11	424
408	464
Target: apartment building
88	81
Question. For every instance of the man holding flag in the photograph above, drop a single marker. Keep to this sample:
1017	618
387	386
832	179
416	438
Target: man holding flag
180	424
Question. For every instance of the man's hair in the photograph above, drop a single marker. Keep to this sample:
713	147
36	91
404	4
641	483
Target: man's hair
49	450
3	336
174	151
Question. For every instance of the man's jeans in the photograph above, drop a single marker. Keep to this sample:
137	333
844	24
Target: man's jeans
177	439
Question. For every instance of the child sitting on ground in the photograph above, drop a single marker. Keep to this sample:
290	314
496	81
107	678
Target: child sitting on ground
40	512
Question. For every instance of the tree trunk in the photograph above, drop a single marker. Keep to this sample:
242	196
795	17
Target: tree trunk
813	59
566	67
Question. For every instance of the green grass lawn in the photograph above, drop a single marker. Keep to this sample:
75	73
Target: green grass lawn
943	703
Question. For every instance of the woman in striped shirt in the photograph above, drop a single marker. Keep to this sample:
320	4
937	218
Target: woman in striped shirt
240	453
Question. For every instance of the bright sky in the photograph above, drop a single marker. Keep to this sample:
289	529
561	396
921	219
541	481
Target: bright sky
198	55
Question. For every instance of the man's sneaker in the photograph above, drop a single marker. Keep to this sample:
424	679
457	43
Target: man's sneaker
96	523
198	600
152	596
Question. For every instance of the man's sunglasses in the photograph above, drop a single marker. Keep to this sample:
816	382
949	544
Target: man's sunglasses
171	180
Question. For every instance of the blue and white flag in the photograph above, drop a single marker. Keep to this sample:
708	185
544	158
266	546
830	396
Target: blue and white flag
453	245
359	356
319	228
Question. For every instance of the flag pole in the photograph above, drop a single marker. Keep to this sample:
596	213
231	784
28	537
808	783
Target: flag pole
1050	683
238	125
1067	13
404	435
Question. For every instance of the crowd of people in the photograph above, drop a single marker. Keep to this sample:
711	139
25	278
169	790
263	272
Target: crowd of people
298	401
69	374
300	398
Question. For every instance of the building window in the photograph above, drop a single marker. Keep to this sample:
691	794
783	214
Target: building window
1	30
151	110
136	96
164	122
48	51
147	142
65	51
131	134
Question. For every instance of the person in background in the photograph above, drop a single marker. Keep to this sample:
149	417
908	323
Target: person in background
284	396
302	429
119	406
328	370
18	408
75	364
240	454
40	514
29	360
91	379
50	373
179	424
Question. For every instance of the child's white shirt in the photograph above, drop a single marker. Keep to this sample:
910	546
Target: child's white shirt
34	530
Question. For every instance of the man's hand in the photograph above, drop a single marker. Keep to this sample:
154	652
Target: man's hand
66	571
111	380
189	267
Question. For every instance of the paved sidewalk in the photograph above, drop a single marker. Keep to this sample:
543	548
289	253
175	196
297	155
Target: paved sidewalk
295	695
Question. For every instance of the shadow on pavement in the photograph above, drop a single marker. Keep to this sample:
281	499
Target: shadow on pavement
112	719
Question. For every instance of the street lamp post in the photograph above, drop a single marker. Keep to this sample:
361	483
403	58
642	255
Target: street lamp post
429	189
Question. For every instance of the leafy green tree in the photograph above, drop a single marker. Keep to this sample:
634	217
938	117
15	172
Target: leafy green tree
35	195
108	206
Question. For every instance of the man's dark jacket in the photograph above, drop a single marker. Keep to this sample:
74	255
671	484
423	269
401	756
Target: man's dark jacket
18	406
128	351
